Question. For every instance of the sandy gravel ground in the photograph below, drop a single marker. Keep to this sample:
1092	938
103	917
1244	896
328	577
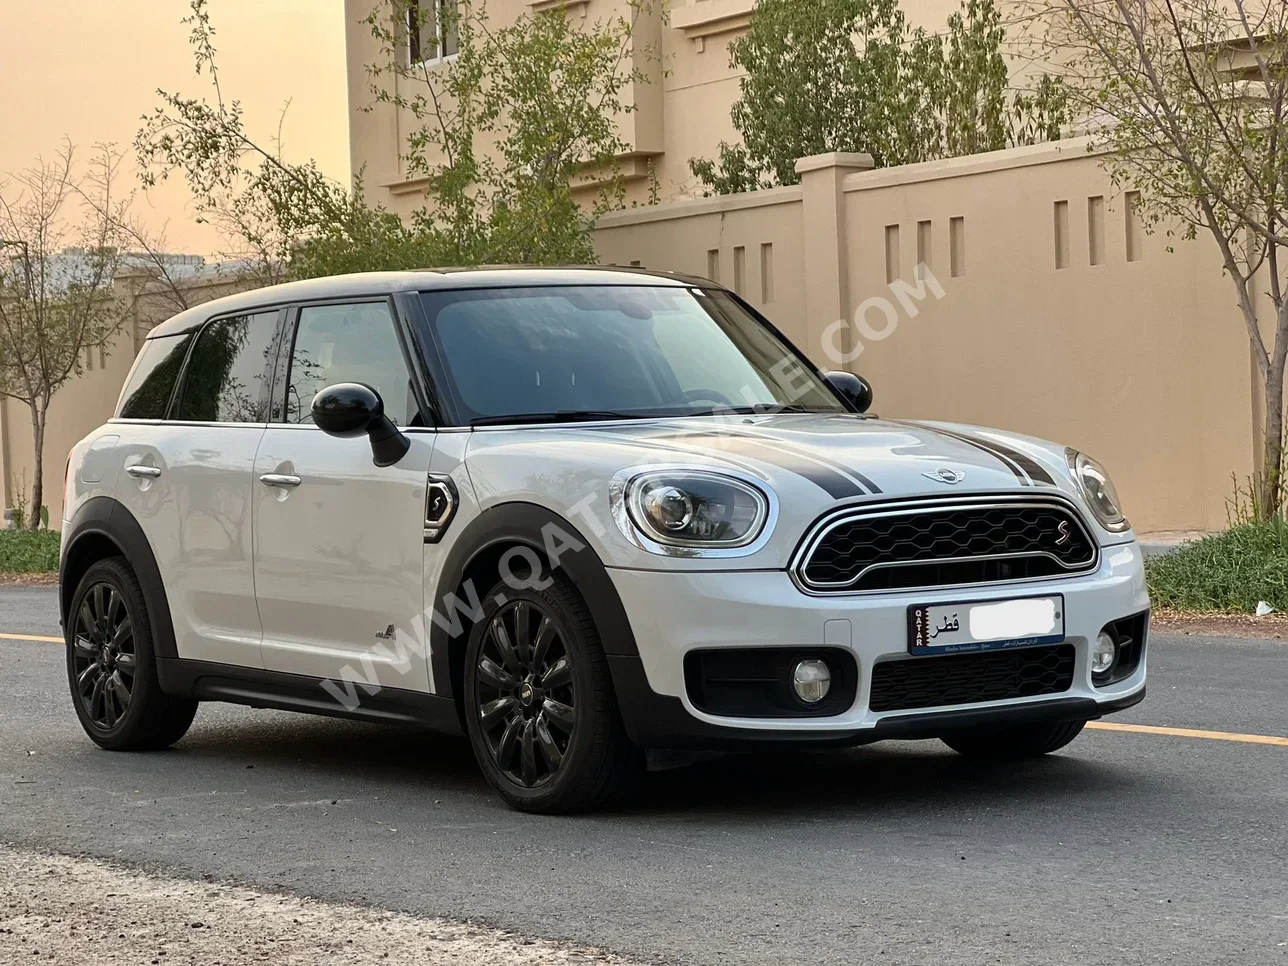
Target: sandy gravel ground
55	909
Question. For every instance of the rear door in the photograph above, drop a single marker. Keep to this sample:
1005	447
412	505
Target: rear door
339	541
187	479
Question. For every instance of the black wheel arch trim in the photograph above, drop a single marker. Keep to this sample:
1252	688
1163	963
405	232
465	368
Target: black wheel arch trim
510	524
99	518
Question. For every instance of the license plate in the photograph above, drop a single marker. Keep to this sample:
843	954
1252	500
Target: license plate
987	625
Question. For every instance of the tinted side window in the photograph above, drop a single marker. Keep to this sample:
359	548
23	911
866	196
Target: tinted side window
228	372
349	343
147	395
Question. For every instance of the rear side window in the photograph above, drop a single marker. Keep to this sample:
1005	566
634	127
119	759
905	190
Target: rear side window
147	395
229	371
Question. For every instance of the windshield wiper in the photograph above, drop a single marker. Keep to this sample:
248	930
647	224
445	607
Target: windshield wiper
760	409
559	416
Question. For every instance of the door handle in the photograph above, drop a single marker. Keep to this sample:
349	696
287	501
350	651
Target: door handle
140	472
279	479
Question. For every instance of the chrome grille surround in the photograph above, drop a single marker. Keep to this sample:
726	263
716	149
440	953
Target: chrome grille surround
1050	503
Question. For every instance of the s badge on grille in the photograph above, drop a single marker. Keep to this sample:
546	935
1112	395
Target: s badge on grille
1065	534
945	475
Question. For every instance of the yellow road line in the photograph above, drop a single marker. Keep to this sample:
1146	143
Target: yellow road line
1189	733
31	637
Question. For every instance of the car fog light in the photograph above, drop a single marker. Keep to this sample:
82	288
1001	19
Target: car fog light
811	680
1103	653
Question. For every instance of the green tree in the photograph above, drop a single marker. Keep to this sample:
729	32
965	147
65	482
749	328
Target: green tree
851	75
1188	104
56	299
500	133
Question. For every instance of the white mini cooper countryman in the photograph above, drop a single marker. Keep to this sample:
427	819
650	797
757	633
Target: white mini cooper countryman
576	515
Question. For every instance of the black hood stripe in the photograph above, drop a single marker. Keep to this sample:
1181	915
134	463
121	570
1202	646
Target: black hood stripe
1031	467
837	485
840	484
1037	473
1010	464
780	445
1025	467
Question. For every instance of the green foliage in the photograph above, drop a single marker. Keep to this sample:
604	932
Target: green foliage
499	134
28	551
851	75
1230	571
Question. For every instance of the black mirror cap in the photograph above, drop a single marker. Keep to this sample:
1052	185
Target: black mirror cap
347	409
855	390
350	409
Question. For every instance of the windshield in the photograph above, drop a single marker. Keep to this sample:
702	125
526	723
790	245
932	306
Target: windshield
552	354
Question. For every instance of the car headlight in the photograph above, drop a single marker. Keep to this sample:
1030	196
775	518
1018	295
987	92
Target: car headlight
1098	490
695	509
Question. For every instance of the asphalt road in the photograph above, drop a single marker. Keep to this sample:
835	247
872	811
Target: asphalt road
1123	849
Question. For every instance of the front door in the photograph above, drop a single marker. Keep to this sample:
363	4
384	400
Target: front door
339	541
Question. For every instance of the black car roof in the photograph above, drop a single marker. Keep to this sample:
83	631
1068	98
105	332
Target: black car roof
386	283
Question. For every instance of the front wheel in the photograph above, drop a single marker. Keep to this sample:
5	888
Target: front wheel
539	703
1014	742
111	665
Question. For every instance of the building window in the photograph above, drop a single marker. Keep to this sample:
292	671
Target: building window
892	252
923	251
1096	230
1062	234
1132	217
432	31
767	272
957	247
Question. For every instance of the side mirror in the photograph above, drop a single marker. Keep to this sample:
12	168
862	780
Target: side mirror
350	409
855	390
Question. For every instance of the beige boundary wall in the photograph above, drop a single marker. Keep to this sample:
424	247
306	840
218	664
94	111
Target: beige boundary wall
1059	317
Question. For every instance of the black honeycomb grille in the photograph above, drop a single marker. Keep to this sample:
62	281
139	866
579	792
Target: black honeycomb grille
956	545
931	682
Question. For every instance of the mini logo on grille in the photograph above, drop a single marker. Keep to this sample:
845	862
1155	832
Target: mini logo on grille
945	475
1065	534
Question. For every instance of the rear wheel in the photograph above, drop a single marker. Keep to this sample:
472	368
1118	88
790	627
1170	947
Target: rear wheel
111	666
539	703
1014	742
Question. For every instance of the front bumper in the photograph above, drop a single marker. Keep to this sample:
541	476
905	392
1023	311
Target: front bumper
674	612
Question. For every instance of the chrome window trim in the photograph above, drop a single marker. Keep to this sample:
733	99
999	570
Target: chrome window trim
188	423
907	508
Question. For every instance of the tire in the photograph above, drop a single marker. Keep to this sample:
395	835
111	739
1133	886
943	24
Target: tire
111	665
539	703
1014	743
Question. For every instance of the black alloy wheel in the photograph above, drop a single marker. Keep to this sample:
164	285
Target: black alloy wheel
112	664
526	693
104	663
539	706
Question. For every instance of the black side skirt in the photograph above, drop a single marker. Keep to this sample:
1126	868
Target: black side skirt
259	688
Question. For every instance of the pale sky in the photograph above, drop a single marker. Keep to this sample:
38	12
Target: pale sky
89	68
